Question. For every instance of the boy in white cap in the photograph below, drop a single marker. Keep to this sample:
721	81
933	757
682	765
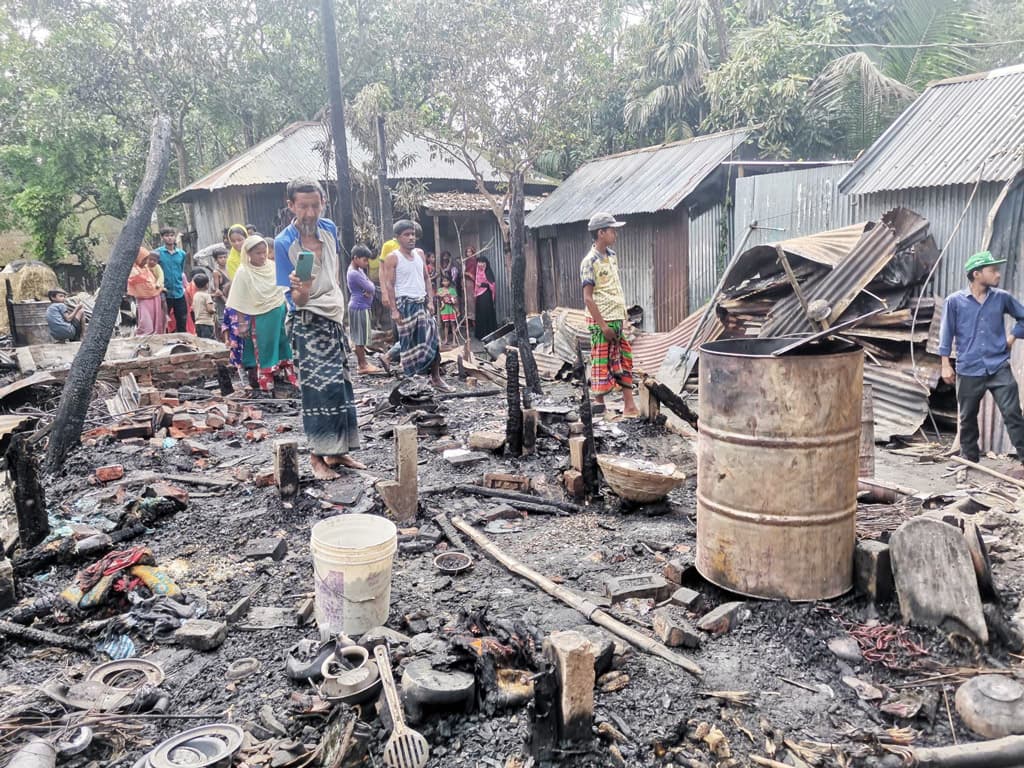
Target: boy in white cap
611	356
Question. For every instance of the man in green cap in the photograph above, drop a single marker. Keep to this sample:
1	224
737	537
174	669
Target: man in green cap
975	318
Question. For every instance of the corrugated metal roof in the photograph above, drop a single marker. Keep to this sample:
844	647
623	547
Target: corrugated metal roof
640	181
954	129
294	151
467	202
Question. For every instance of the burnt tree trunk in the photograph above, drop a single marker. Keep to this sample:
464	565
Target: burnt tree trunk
346	226
517	236
514	425
74	402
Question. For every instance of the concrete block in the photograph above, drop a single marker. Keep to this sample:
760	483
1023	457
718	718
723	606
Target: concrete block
573	481
201	634
573	658
872	571
649	586
273	547
506	482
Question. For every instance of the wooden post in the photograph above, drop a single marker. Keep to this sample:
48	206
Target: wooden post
286	468
29	498
224	380
591	477
650	408
530	420
514	425
577	447
401	496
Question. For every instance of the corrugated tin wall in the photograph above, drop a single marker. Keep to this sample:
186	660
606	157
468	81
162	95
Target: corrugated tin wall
707	253
671	268
792	204
635	250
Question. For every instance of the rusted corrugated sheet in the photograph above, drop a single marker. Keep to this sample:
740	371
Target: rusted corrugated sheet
650	349
900	400
639	181
850	276
956	132
670	269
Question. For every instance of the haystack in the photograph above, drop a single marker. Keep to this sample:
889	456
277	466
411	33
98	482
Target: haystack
30	280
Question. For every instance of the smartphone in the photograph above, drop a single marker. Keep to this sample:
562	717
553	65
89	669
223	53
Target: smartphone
304	266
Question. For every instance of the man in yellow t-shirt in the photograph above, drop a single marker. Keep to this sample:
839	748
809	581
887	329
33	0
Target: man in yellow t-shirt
611	355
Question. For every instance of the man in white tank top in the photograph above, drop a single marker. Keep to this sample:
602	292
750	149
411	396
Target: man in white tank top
409	295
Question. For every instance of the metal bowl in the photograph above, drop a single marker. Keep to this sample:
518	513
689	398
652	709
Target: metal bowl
453	562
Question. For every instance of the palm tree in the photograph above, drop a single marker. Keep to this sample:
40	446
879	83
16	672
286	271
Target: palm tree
872	81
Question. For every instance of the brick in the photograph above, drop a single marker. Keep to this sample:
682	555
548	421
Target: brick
574	485
201	634
215	420
273	547
125	431
506	481
676	568
460	457
648	586
687	598
872	571
194	448
722	619
487	441
109	473
573	658
674	631
8	595
264	479
182	421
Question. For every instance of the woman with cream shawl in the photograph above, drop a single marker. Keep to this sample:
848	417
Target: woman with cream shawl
142	284
254	318
237	234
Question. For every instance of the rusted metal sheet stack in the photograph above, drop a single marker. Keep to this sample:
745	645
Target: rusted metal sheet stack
875	271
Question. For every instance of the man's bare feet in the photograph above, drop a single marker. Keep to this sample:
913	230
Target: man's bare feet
321	471
369	369
383	360
344	461
439	384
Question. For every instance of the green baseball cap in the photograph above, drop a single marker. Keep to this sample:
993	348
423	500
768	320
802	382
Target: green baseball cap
982	259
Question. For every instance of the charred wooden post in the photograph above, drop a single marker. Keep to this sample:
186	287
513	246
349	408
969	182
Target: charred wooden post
224	382
544	715
514	425
591	477
74	402
666	397
29	498
286	468
531	420
517	242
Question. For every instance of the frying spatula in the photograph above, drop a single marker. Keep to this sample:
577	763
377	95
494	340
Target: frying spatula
406	748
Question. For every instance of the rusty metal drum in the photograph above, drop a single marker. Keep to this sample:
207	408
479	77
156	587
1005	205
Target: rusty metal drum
777	465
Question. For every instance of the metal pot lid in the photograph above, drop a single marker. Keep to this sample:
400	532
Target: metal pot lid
103	673
198	747
1000	688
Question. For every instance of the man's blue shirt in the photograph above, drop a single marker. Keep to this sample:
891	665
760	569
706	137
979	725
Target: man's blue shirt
287	245
979	330
173	265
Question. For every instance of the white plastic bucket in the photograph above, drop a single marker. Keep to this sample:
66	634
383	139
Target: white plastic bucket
352	558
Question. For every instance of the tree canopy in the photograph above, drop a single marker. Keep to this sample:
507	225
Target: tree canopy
536	85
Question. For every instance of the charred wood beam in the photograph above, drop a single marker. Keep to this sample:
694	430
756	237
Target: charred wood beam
514	425
591	474
500	493
670	400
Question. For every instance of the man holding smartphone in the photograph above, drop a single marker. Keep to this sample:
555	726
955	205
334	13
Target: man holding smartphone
328	404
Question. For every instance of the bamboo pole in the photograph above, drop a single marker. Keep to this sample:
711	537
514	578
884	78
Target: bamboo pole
997	753
988	471
570	598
